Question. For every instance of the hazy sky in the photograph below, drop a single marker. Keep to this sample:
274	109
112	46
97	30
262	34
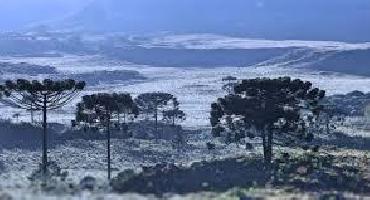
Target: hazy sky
18	13
282	19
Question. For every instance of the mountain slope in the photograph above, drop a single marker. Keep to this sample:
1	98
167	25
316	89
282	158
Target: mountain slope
16	14
273	19
350	62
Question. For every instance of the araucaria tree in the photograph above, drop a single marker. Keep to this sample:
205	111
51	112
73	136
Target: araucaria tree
153	104
174	114
41	96
126	107
265	107
101	109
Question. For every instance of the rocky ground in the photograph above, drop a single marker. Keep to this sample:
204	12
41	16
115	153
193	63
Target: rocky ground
227	178
81	159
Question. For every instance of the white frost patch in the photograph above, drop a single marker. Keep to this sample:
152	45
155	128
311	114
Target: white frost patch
211	41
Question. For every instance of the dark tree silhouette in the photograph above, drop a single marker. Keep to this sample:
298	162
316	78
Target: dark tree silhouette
174	114
262	107
230	83
328	113
127	107
153	104
41	96
100	109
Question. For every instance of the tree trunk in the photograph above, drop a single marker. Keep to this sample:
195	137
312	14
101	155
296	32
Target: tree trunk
108	147
124	117
229	87
267	140
31	114
156	121
44	141
270	138
328	125
264	143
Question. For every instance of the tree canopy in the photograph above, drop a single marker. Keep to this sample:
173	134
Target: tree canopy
43	96
150	103
29	95
174	113
230	83
102	106
153	103
266	106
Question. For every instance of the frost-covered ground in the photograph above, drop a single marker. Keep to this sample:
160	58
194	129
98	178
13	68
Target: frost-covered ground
196	89
81	159
212	41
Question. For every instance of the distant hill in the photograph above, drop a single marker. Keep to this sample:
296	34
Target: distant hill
350	62
341	20
354	61
195	57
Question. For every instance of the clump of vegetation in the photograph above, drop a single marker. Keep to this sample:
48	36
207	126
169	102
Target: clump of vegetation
201	176
88	183
320	172
24	68
351	104
2	167
308	172
53	172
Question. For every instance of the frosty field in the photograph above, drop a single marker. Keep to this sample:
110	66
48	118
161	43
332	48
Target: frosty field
195	87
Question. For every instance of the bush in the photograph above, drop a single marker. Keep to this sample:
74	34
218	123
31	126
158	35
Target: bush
54	172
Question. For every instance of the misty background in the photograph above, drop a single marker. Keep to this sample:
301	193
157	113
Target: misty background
342	20
16	14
